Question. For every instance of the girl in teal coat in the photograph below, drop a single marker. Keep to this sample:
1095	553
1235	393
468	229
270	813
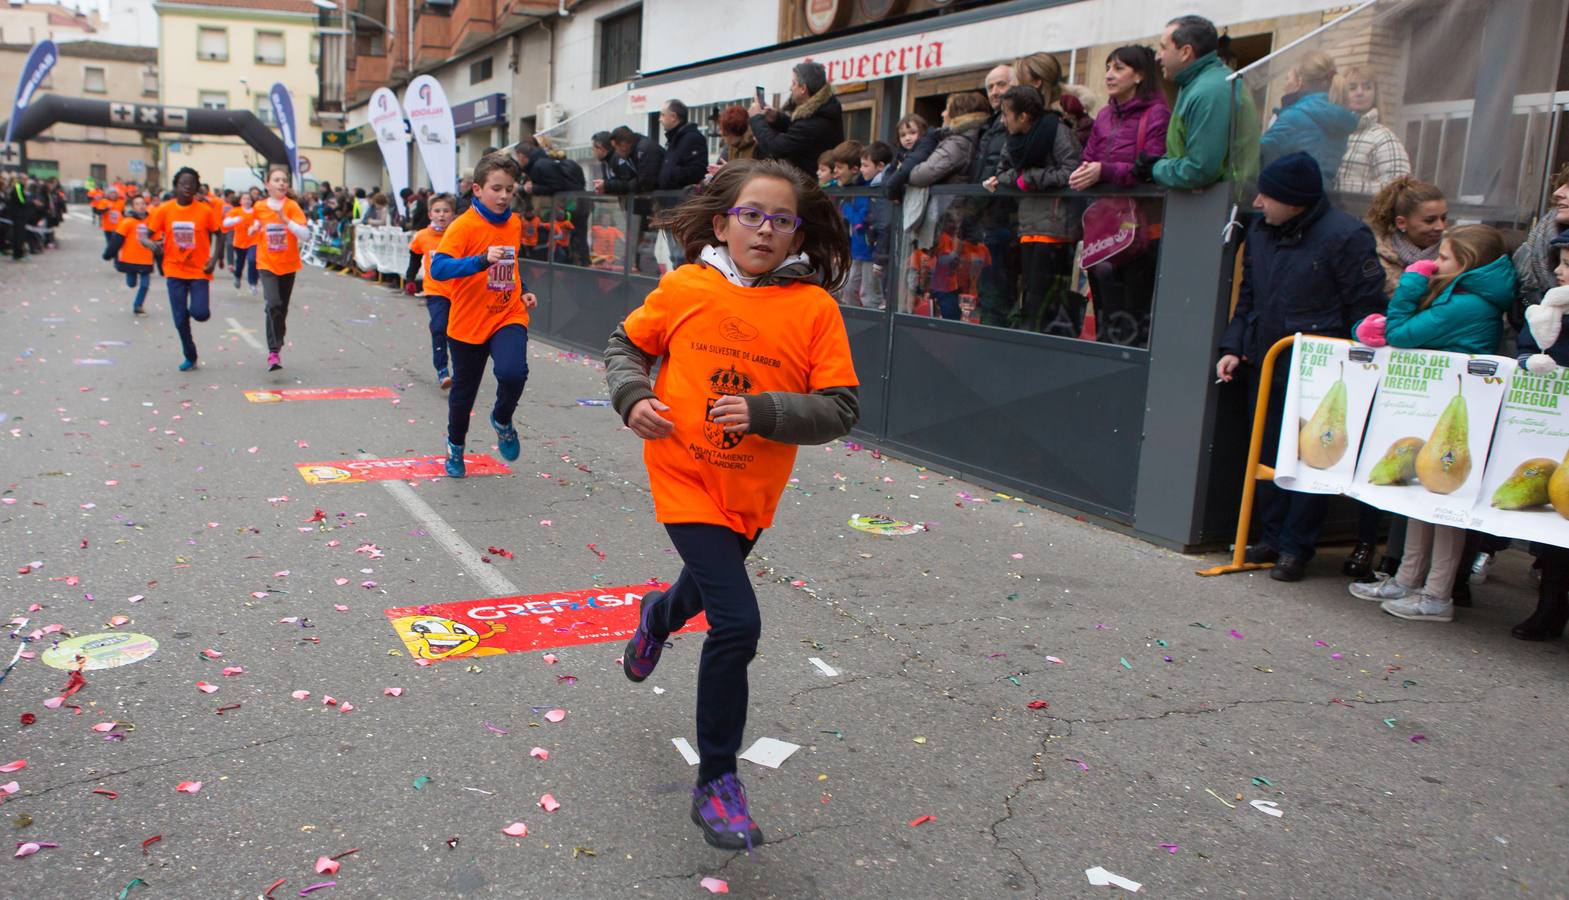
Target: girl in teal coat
1455	304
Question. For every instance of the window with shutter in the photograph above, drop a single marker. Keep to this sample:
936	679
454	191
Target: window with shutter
269	48
264	109
93	80
213	99
212	44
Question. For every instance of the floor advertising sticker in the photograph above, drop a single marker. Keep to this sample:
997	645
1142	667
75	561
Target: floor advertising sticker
106	650
1525	489
499	625
1428	435
1327	399
884	525
354	471
285	395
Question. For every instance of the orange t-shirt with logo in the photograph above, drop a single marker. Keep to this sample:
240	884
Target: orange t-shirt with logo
132	252
113	212
276	249
242	237
531	228
186	232
719	338
425	243
606	241
490	299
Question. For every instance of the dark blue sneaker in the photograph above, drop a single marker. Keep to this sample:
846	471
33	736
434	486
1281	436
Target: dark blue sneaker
719	808
506	440
642	651
454	461
187	365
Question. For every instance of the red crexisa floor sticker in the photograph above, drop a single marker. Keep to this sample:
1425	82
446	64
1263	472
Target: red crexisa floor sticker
349	471
265	395
520	624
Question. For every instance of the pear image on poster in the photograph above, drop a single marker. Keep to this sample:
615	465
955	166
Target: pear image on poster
1322	441
1558	489
1398	464
1444	462
1527	487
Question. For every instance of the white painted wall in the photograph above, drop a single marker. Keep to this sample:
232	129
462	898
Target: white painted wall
681	32
576	52
130	22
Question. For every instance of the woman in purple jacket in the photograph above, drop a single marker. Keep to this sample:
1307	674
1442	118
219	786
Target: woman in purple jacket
1133	122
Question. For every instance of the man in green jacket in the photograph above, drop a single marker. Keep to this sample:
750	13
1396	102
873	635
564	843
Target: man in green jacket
1199	146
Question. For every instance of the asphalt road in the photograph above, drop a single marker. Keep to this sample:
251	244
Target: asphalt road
1408	759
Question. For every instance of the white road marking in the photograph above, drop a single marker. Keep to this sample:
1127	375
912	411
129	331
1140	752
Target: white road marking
246	334
487	575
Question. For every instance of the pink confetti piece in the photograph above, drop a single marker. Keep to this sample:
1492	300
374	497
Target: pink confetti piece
1320	644
326	865
1078	762
516	829
17	766
28	848
346	707
259	595
206	688
300	695
1418	738
10	787
539	753
1336	656
210	653
233	670
715	885
1170	848
1236	634
392	692
1055	661
1017	555
102	727
340	582
317	886
493	729
340	607
188	787
368	585
550	659
328	700
555	715
548	803
251	449
53	702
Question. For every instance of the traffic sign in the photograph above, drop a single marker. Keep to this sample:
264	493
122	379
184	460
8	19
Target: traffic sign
305	164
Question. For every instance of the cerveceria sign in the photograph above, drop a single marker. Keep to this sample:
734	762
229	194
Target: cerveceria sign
917	56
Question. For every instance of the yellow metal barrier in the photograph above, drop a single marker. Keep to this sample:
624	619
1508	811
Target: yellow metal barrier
1255	472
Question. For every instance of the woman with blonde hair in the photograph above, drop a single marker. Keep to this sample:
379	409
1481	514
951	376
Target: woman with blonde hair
1312	117
1408	218
1374	155
1074	103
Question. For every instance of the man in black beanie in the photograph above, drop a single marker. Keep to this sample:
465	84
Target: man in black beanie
1307	268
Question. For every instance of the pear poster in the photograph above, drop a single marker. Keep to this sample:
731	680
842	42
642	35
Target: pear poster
1525	488
1429	433
1327	400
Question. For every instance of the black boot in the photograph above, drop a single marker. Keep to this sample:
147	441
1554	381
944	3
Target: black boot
1552	608
1360	563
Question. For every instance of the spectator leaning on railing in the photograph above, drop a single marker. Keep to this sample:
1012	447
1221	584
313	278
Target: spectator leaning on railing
686	150
1534	260
811	122
546	170
988	152
643	157
1199	150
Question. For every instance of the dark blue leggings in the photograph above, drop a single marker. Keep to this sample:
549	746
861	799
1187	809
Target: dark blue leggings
439	308
140	281
508	348
244	257
714	580
187	301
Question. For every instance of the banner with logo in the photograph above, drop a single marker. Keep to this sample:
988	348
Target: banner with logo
283	115
386	120
430	118
34	71
1327	400
1525	487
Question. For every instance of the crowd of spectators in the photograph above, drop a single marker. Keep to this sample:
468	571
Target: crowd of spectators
30	211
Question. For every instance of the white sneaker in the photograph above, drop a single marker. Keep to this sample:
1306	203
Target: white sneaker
1421	607
1385	588
1480	568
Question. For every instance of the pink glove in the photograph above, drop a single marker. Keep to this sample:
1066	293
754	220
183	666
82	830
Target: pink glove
1370	330
1427	268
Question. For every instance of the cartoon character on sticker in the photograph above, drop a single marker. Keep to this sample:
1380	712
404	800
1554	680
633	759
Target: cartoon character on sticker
184	235
265	397
432	637
321	474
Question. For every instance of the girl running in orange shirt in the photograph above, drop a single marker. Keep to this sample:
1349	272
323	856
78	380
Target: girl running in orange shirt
240	219
490	303
133	257
189	235
278	228
753	360
438	300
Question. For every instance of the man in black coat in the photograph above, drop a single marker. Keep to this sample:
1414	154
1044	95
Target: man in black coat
994	134
812	123
1307	268
644	157
547	174
686	150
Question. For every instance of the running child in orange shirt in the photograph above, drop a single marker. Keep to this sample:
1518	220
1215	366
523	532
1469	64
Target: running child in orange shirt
189	236
753	360
133	258
438	300
478	260
278	226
